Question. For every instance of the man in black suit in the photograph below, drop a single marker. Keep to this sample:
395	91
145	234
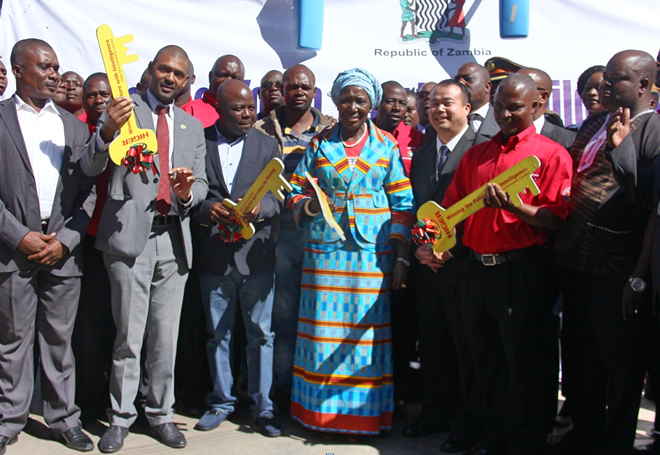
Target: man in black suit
477	79
442	346
45	205
236	273
544	127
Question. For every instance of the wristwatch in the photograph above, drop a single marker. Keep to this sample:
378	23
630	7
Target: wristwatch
637	284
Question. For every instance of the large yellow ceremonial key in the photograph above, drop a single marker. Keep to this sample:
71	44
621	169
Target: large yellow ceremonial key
115	55
270	179
517	179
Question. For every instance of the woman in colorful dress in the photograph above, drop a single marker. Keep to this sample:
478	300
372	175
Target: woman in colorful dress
343	363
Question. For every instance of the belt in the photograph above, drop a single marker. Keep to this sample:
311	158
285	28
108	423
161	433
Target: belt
44	226
168	220
500	258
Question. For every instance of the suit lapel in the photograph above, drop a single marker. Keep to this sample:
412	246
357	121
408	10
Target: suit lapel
10	118
214	157
67	158
142	113
334	152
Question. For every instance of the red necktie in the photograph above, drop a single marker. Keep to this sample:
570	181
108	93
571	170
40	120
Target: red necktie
163	137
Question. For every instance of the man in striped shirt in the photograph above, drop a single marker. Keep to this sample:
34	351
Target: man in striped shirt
294	125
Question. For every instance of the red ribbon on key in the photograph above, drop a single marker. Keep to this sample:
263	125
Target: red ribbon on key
139	160
425	231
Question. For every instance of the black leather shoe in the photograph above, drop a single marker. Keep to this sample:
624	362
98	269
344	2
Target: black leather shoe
421	428
6	441
113	439
648	449
456	444
75	439
170	435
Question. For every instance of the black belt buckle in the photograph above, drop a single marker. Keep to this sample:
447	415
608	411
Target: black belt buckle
160	221
489	259
44	226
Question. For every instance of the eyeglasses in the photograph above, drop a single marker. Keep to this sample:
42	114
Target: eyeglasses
423	95
268	84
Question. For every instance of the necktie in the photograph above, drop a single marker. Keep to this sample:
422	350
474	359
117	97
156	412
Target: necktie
472	118
442	159
163	138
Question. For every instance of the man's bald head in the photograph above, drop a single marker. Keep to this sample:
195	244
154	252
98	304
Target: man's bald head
271	92
627	81
172	50
477	79
543	88
515	104
299	69
224	68
24	46
236	109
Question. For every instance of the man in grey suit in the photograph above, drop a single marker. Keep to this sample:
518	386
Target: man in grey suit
477	79
560	135
45	205
237	275
144	234
448	386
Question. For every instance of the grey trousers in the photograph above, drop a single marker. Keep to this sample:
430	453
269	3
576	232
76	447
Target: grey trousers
147	293
37	301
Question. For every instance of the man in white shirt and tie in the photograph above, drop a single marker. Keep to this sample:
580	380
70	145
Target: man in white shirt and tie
45	205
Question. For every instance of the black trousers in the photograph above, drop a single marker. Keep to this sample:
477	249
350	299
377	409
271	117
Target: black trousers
438	322
93	335
191	371
608	358
512	337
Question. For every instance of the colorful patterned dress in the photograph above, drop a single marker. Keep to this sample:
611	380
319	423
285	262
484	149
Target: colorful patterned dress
343	360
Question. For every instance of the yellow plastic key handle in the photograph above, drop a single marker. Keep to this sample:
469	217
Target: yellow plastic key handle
325	207
115	55
517	179
270	179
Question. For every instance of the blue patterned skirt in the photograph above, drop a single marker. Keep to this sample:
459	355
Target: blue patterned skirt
342	378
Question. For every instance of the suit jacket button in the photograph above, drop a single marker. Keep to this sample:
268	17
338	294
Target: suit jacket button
31	183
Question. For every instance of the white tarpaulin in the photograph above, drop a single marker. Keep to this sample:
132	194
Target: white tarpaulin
565	37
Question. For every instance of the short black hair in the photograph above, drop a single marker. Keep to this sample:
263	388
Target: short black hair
467	96
92	77
19	49
584	77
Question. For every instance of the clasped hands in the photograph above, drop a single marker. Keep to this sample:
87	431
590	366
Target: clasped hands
44	249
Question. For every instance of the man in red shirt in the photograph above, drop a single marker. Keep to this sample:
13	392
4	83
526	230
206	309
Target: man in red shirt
508	293
389	117
203	109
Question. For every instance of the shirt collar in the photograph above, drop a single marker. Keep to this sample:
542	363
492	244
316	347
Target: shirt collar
154	103
539	123
22	105
224	140
515	140
208	98
312	128
483	110
451	145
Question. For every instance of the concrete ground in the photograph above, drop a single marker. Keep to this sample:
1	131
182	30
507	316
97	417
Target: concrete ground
237	436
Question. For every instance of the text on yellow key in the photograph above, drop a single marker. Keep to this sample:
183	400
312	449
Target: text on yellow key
115	56
270	179
515	180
